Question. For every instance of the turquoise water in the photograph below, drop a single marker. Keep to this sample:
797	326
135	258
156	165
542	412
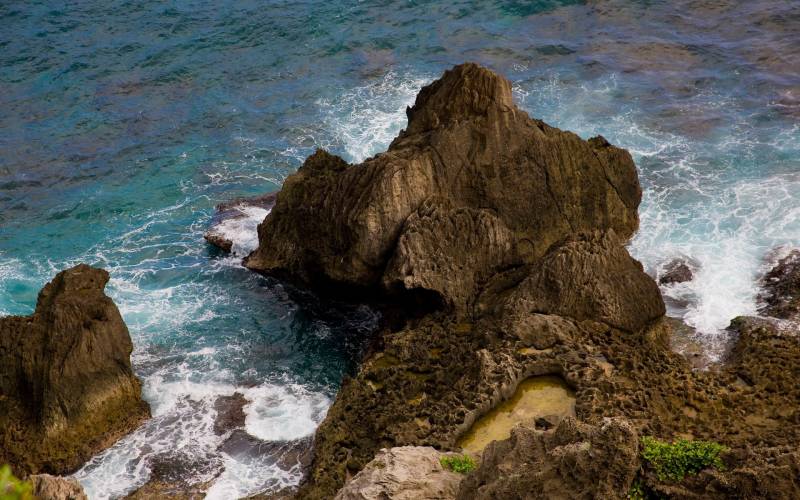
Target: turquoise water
123	124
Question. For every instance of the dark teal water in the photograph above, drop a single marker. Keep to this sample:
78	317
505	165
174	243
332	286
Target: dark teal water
122	124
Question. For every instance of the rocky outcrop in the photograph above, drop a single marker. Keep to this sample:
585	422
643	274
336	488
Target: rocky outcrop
780	292
495	187
67	389
495	244
403	473
575	461
677	270
47	487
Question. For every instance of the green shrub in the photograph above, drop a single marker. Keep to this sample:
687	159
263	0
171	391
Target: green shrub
673	461
12	488
463	464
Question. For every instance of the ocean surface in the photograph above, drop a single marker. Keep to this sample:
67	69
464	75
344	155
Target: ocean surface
122	125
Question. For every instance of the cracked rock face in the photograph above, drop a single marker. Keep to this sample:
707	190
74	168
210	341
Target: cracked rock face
470	164
67	389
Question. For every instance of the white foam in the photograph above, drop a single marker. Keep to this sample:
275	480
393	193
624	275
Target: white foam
283	413
241	230
365	119
183	423
713	201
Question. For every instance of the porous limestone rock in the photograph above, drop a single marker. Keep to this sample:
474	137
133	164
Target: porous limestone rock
67	389
572	461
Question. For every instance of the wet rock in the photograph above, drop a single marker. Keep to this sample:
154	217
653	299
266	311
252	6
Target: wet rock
572	461
230	413
470	170
67	387
676	271
403	473
47	487
780	295
235	218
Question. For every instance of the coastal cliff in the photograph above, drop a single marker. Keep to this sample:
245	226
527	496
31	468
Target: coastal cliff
67	389
494	243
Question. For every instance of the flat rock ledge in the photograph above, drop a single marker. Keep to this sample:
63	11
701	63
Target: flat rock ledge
403	473
67	390
495	244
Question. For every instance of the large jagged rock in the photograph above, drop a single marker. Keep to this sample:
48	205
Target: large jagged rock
509	234
494	186
573	461
67	389
403	473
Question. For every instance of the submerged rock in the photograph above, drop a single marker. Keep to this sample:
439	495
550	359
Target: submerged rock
780	295
47	487
230	413
403	473
66	384
236	219
677	271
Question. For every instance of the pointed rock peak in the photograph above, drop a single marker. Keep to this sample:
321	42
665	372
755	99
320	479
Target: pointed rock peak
463	92
81	278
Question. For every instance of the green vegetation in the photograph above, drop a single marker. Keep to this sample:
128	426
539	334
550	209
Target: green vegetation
637	491
673	461
463	464
12	488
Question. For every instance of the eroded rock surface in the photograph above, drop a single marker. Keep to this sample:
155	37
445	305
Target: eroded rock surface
574	460
47	487
495	188
780	295
403	473
509	234
67	389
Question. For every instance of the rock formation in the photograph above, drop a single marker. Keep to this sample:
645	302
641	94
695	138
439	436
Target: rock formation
493	187
47	487
494	243
403	473
780	295
67	389
575	461
677	271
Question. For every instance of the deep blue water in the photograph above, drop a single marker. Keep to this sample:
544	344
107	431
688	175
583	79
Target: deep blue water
122	124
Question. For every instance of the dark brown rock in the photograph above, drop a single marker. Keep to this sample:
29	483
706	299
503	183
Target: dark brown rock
230	412
574	460
676	271
591	277
780	295
470	164
67	389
